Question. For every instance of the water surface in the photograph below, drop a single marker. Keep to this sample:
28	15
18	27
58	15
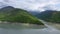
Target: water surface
27	29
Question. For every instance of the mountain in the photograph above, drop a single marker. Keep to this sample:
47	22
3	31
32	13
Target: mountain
34	12
6	9
50	16
45	14
12	14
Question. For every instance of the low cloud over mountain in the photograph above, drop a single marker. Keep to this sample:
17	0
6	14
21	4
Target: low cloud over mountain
40	5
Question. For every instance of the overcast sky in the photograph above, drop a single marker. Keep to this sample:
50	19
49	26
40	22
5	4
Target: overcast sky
33	4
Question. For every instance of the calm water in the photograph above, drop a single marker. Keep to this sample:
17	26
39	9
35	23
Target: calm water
27	29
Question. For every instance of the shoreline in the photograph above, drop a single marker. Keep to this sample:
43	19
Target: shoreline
6	25
6	22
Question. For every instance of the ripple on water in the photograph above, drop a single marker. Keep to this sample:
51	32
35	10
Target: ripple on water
29	31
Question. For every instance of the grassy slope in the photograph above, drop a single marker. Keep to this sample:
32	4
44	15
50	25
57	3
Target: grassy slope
19	15
50	16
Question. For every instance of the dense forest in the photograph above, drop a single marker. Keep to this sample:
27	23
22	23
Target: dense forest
50	16
12	14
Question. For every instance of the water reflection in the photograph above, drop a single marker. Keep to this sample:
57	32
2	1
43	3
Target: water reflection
21	26
25	29
29	31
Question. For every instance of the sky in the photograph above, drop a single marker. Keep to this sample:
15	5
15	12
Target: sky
40	5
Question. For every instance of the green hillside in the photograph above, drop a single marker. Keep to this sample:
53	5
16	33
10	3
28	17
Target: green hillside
50	16
11	14
55	17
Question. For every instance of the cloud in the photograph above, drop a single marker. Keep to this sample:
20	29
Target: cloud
34	4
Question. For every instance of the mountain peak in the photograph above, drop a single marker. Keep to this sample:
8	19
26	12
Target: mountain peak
8	7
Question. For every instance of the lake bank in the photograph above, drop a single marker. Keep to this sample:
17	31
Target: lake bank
5	24
16	28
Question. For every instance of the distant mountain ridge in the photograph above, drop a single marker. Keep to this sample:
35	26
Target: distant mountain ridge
7	9
50	16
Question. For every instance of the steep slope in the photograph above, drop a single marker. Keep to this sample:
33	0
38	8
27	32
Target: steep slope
45	15
50	15
55	17
17	15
